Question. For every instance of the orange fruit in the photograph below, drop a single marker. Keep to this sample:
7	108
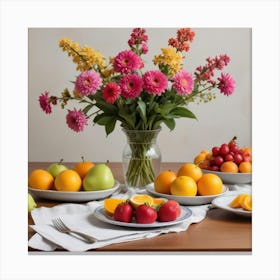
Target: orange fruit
247	150
243	201
110	204
140	199
199	158
204	164
158	201
163	181
209	184
183	186
40	179
236	202
191	170
83	167
229	166
68	180
246	203
245	167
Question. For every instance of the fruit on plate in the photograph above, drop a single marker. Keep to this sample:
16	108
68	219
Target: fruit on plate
191	170
183	186
40	179
229	166
139	199
99	177
145	214
157	202
68	180
83	167
123	212
169	211
228	157
110	204
56	168
31	203
163	181
209	184
189	185
243	201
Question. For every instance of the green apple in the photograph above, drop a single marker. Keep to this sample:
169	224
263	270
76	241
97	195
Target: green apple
56	168
99	177
31	203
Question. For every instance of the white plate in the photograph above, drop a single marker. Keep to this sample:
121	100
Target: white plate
80	196
232	178
223	203
186	200
100	214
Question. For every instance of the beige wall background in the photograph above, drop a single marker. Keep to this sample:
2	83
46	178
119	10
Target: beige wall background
49	137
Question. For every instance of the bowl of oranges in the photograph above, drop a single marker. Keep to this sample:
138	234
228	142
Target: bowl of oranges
230	162
188	186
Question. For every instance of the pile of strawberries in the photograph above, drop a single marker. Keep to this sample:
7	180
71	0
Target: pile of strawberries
146	214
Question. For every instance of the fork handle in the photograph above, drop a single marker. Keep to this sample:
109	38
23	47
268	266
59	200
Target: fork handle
88	238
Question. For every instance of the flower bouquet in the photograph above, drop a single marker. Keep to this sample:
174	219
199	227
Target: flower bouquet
121	89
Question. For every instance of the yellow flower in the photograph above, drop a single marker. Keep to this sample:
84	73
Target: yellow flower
86	58
170	61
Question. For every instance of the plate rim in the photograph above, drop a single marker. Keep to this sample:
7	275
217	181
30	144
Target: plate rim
75	196
226	173
185	197
233	210
106	219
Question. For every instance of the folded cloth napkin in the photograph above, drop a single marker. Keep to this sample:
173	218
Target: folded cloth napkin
80	217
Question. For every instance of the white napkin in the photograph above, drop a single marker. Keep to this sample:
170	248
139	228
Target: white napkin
80	217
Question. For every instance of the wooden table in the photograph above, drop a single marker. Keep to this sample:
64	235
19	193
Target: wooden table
219	231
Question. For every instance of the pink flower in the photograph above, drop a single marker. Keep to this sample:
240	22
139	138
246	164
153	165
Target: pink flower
45	103
155	82
111	92
144	48
127	61
88	82
76	120
183	82
226	84
131	85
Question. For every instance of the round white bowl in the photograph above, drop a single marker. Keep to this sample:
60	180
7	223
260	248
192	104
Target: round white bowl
232	178
186	200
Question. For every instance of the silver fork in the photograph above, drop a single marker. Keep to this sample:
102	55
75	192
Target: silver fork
60	226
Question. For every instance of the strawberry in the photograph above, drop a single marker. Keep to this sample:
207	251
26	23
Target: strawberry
123	212
145	214
169	211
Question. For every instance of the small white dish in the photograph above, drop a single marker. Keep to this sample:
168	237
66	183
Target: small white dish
186	200
232	178
101	215
223	203
80	196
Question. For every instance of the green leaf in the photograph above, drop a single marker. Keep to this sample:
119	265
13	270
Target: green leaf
142	110
165	108
87	108
182	112
170	123
110	126
103	119
129	118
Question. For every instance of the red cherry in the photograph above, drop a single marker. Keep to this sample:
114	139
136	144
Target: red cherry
246	157
238	158
229	157
219	160
215	151
224	149
214	168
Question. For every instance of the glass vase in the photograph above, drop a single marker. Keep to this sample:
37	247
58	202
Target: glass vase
141	158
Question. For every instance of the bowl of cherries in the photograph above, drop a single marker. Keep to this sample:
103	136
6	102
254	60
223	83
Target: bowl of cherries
230	162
